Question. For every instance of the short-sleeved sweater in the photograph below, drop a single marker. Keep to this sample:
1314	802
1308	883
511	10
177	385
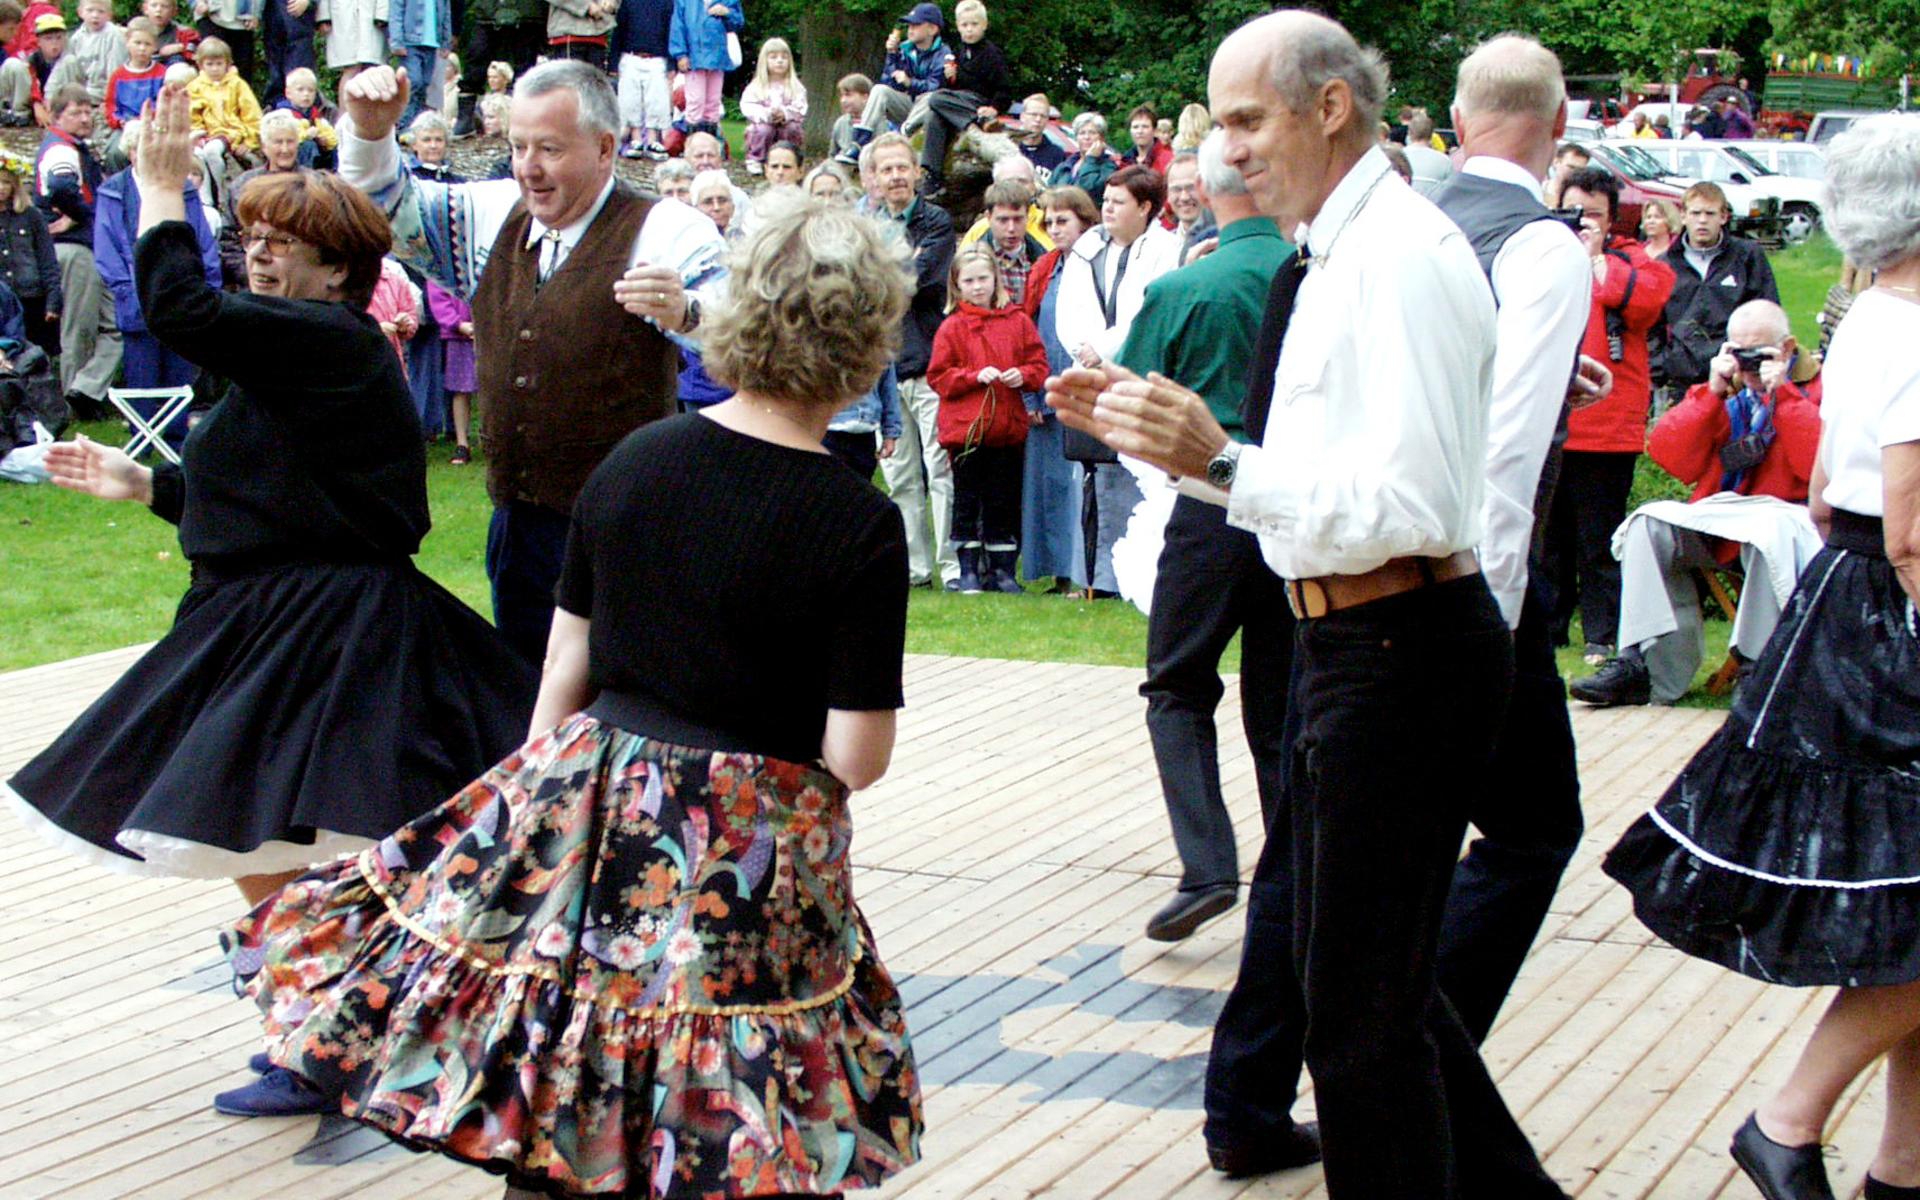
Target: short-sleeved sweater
738	589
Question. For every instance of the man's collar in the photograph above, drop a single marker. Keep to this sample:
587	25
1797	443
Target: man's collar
570	234
904	215
1720	242
1344	202
1249	227
1503	170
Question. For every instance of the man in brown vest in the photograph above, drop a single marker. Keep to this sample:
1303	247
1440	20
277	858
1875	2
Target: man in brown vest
580	286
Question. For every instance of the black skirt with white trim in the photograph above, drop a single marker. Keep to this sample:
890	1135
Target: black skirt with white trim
1789	848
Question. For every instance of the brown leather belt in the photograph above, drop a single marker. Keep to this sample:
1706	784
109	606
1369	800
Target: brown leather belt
1309	598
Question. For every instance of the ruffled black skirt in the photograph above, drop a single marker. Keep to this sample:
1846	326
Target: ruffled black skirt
1789	848
292	713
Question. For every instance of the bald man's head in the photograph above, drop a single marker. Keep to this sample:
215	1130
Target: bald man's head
1759	323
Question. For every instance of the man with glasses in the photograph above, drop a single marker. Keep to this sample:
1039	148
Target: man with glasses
1192	219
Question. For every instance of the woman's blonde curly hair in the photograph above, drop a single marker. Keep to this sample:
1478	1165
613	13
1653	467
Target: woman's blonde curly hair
814	301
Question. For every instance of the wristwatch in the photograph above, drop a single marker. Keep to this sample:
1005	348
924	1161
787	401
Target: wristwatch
692	320
1221	466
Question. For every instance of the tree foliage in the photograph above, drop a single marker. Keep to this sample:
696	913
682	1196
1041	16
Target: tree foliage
1114	54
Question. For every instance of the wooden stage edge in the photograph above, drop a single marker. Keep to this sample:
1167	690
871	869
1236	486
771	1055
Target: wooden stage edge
1008	865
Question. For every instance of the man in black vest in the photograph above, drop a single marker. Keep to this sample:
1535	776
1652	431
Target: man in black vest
1510	108
549	259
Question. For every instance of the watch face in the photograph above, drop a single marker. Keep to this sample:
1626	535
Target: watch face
1220	471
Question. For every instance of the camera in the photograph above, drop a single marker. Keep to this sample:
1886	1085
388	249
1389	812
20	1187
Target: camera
1573	217
1750	360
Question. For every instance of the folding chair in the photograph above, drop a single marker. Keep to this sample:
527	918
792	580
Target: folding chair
147	433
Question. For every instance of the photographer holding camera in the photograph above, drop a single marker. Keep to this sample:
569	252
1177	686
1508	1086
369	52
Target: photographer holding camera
1748	431
1604	440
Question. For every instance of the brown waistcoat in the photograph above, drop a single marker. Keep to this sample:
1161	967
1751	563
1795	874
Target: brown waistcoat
564	372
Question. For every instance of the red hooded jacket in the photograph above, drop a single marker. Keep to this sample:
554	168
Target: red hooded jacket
1687	441
975	414
1638	286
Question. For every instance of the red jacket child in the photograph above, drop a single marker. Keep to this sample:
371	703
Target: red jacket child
970	339
1637	286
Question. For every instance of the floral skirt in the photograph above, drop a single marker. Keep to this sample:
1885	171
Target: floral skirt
608	967
1789	848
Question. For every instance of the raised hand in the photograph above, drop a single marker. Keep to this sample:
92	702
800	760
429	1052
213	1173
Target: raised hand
84	465
165	155
374	100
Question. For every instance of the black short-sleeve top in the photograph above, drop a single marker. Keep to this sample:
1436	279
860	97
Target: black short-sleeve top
738	589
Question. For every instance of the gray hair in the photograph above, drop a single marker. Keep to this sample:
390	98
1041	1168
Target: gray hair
709	181
275	119
1015	165
1873	190
1093	119
673	168
1510	74
429	121
1763	316
1321	51
599	109
1215	175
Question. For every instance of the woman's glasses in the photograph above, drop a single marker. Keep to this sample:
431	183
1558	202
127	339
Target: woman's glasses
278	244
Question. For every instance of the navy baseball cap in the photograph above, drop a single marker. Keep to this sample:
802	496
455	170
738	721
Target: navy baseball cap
925	14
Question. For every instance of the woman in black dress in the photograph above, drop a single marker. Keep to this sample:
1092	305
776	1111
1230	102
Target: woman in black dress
1789	848
316	691
627	961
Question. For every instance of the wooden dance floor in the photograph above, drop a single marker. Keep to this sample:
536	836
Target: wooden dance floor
1008	864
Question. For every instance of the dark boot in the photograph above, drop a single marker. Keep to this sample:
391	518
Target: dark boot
969	582
1000	577
464	124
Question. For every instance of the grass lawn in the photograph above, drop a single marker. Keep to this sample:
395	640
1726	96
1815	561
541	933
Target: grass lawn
82	575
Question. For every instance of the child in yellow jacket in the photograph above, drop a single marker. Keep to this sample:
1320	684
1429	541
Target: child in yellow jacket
225	112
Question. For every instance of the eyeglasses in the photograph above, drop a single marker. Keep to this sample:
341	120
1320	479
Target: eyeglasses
278	245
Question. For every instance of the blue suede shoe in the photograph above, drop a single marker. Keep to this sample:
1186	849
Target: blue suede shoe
278	1093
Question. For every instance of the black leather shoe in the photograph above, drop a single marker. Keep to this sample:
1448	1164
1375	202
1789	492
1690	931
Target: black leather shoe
1188	911
1298	1147
1780	1172
1618	681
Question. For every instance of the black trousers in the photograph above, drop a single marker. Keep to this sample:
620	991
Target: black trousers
288	44
526	546
986	496
1529	821
516	44
1397	704
1588	505
1212	583
948	112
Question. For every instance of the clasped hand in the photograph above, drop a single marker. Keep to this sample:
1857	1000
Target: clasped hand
1154	419
988	376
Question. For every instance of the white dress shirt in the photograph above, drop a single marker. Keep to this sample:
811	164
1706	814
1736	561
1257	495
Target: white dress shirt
1376	443
462	221
1543	291
1870	400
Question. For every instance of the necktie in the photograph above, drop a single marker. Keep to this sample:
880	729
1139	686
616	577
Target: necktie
1266	346
549	253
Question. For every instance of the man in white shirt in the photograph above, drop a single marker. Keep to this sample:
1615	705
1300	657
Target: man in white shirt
1510	106
1366	493
550	259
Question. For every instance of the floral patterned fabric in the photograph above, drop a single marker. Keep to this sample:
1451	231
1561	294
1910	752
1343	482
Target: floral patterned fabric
608	967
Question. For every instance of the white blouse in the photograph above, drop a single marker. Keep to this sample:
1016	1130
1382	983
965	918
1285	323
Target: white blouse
1871	398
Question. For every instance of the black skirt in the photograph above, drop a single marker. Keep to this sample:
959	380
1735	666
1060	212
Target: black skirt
292	713
1789	848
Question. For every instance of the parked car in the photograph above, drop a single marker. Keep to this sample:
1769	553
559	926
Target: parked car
1726	164
1802	160
1582	130
1641	175
1831	124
